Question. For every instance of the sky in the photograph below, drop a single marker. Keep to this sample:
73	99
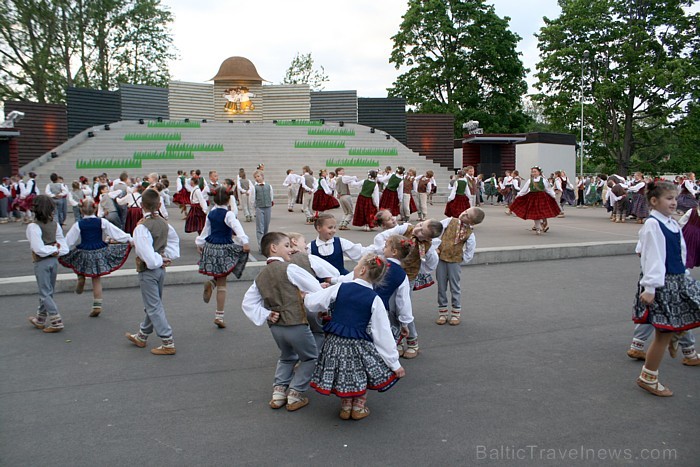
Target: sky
350	39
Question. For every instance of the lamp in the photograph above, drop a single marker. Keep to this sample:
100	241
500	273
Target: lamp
107	127
388	136
54	155
140	121
323	121
247	121
230	121
91	134
204	120
371	130
341	123
187	120
586	54
160	119
275	122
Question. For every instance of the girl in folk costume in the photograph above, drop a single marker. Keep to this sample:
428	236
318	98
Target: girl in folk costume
424	187
591	196
617	196
134	211
458	200
343	184
491	188
77	195
563	191
220	254
690	222
198	207
182	196
230	187
639	207
390	195
405	191
536	201
92	257
107	208
687	197
331	248
508	190
28	192
355	357
323	197
667	296
367	203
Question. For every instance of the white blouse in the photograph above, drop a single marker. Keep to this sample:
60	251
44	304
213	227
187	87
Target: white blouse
652	250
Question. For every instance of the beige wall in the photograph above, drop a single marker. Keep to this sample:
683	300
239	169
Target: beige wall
550	157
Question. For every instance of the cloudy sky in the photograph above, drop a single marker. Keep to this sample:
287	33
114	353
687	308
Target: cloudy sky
351	39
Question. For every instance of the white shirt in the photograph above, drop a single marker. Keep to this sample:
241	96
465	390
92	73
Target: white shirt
197	198
378	328
690	186
143	243
229	220
28	187
132	200
250	191
312	188
635	186
453	190
375	193
353	251
292	179
253	304
684	219
469	245
63	194
115	233
37	244
652	248
526	187
377	246
323	183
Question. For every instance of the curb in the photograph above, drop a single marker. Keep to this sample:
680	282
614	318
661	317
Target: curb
177	275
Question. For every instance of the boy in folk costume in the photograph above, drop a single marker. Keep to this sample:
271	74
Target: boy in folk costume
407	187
246	195
473	188
424	187
264	200
292	182
456	248
342	187
308	187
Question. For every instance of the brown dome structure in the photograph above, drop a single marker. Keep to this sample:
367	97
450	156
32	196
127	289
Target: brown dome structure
238	69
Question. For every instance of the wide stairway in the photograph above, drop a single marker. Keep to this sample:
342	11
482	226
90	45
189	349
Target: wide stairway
227	147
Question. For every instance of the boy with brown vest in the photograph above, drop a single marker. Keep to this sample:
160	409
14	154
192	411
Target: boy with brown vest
156	244
456	248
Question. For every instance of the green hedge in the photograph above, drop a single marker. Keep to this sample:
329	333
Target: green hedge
298	123
152	137
319	144
184	147
352	163
373	152
159	155
108	163
174	124
331	132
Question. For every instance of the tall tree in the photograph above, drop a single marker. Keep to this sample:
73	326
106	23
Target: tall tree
643	68
461	59
301	71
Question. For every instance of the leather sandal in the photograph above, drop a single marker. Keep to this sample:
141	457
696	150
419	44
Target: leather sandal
358	413
411	352
454	320
442	318
345	414
279	398
656	388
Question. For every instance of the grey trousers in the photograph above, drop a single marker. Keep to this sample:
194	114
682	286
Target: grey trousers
296	344
346	204
422	205
642	333
151	282
60	204
449	273
4	205
307	203
45	271
245	204
262	222
292	191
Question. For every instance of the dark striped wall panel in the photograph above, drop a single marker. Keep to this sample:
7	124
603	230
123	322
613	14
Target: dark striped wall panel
190	100
386	114
432	136
286	102
90	107
43	127
147	102
334	106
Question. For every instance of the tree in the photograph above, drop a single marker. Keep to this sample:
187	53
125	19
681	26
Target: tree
301	71
643	68
461	59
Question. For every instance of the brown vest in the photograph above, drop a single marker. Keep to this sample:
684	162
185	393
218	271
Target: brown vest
408	185
341	187
48	236
302	260
280	295
411	263
159	231
449	251
423	185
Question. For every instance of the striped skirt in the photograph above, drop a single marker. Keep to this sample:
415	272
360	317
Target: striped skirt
535	205
97	263
220	260
676	305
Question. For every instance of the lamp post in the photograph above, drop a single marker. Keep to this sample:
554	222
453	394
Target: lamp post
586	54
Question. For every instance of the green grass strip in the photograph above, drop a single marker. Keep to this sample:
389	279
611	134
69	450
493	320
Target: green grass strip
108	163
299	123
373	152
160	155
319	144
352	163
174	124
331	132
152	137
184	147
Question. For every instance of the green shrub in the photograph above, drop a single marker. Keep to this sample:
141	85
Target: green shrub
373	152
174	124
352	162
158	155
185	147
331	132
299	123
117	163
319	144
152	137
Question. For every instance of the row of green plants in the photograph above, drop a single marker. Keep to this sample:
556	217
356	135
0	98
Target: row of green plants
298	123
159	155
118	163
331	132
174	124
184	147
352	162
373	152
324	144
152	137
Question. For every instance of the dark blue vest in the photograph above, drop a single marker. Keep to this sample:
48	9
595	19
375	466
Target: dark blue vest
394	277
674	259
91	234
219	233
352	312
335	258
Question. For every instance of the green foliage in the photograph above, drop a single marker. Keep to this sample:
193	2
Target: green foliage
643	68
185	147
152	137
373	152
159	155
319	144
116	163
301	71
299	123
173	124
352	163
461	59
331	132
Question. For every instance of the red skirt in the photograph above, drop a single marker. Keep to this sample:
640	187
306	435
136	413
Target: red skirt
412	205
457	206
324	202
195	219
300	196
390	201
25	204
365	210
133	216
535	205
182	197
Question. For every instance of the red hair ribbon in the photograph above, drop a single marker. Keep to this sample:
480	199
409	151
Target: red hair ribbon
378	261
